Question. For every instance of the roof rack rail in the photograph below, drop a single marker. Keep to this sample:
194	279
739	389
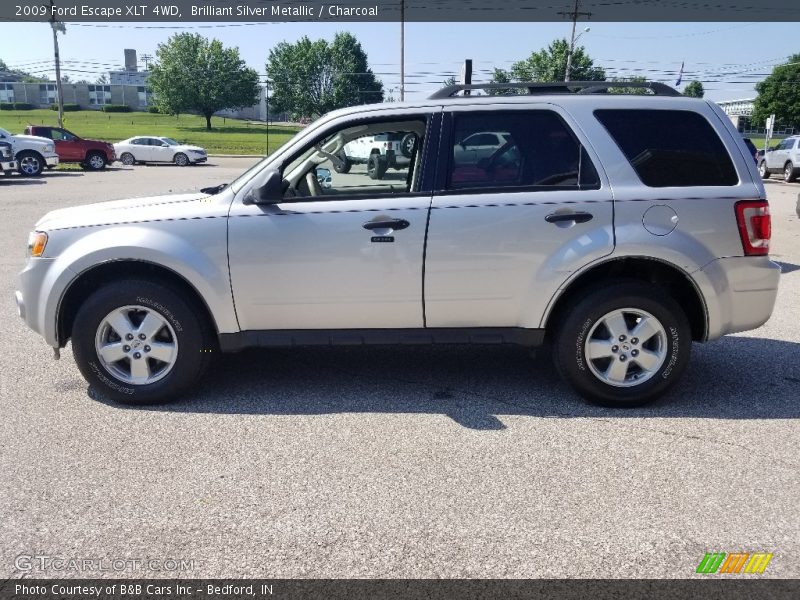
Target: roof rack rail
557	87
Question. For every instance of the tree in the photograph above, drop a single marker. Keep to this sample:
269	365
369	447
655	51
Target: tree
632	91
314	77
779	94
195	74
102	80
694	89
7	74
550	64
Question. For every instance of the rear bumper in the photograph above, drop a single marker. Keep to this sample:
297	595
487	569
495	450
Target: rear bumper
740	293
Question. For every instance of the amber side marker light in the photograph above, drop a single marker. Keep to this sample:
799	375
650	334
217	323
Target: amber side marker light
37	240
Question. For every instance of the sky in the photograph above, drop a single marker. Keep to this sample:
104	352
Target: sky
728	58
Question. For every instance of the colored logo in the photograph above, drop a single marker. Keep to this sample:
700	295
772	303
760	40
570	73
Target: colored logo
738	562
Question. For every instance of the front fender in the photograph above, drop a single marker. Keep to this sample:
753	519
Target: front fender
193	249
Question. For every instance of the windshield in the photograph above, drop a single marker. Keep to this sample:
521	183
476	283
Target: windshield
170	141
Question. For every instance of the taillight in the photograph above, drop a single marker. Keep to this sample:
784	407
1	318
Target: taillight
755	226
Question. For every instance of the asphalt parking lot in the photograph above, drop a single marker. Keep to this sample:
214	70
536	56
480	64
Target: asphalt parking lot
394	462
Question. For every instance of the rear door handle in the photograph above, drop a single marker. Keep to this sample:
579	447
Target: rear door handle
396	224
578	217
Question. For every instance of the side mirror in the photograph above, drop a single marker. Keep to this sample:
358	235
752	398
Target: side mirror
164	145
268	189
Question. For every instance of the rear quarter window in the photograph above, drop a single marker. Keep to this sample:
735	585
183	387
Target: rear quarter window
670	148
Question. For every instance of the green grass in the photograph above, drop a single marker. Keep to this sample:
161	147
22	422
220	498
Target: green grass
229	136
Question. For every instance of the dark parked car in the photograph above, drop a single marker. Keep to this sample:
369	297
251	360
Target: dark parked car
752	147
90	154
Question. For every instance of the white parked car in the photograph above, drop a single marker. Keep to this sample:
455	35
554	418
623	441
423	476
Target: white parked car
31	153
144	149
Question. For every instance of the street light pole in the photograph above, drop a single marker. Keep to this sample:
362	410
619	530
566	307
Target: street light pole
573	15
402	50
56	26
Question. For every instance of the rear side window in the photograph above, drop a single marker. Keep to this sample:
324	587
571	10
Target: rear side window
519	149
670	148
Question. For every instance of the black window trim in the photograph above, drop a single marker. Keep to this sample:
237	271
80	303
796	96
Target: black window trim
448	139
432	125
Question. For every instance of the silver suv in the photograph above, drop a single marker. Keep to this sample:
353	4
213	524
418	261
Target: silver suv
615	229
784	159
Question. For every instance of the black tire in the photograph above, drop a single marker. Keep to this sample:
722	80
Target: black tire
127	159
788	172
344	166
181	159
193	337
763	170
407	144
31	164
376	167
95	161
581	319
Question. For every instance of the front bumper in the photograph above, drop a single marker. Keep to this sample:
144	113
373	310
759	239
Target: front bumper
8	165
34	306
198	159
740	293
52	160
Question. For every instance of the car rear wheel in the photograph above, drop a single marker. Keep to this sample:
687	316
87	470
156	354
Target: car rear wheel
95	161
140	342
623	344
376	167
31	164
181	159
763	170
127	159
788	173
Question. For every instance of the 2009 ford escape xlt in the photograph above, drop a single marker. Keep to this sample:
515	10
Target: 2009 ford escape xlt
615	228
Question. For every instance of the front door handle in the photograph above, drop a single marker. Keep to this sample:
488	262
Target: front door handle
578	217
396	224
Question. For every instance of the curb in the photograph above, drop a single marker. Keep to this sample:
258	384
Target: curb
236	155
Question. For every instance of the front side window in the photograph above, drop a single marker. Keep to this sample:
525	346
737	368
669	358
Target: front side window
58	134
368	160
519	149
670	148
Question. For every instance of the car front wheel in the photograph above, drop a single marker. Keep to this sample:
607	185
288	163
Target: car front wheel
763	170
95	162
181	159
31	164
623	345
788	173
140	342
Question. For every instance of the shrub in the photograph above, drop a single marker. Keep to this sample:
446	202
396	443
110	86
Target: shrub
6	106
153	110
67	107
20	106
109	108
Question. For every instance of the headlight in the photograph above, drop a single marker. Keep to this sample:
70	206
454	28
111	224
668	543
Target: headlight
198	151
6	151
48	148
37	240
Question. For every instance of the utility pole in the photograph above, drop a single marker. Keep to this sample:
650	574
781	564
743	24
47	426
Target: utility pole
57	26
573	15
146	58
266	94
402	50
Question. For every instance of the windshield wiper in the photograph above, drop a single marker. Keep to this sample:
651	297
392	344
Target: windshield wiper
215	189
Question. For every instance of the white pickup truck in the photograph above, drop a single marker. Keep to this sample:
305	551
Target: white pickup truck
7	162
31	153
379	152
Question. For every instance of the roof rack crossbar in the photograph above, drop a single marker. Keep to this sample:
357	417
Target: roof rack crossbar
557	87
